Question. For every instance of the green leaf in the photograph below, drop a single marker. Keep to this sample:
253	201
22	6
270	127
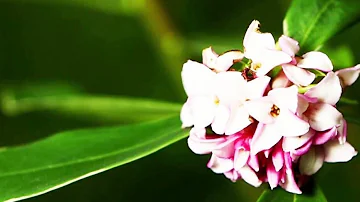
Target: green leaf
101	108
313	22
64	158
280	195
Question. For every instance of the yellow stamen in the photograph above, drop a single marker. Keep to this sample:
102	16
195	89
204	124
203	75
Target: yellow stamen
275	111
216	101
255	66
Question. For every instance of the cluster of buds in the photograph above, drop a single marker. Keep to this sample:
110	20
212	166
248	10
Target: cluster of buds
277	129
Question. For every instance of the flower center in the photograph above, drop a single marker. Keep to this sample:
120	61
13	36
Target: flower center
216	101
255	66
275	111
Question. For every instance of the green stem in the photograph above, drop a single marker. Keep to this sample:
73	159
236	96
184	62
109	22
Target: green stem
306	88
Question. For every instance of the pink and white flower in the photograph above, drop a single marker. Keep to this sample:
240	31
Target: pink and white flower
261	49
277	118
200	83
236	101
296	70
220	63
261	129
348	76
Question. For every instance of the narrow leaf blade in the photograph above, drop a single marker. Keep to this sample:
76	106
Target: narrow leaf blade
64	158
106	109
313	22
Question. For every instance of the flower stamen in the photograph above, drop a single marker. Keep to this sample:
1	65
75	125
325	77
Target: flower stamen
216	101
255	66
275	111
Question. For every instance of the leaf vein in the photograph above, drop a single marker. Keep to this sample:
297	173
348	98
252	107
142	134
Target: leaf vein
312	25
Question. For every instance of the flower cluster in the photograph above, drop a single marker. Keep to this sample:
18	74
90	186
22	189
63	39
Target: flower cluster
258	128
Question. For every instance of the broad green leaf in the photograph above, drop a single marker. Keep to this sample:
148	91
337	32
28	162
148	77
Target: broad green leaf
64	158
280	195
313	22
89	107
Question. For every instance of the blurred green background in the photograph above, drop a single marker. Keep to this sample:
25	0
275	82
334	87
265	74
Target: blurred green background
136	48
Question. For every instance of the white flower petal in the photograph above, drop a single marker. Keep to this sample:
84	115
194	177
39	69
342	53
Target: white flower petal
203	109
197	79
280	81
298	75
290	144
260	109
209	57
303	104
186	116
265	137
249	176
232	175
256	88
289	45
348	75
254	39
285	98
240	159
254	162
260	48
220	165
312	161
328	90
226	60
290	183
222	115
272	175
229	87
289	125
220	63
239	120
266	59
336	152
198	143
322	137
278	157
316	60
267	152
342	132
323	116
